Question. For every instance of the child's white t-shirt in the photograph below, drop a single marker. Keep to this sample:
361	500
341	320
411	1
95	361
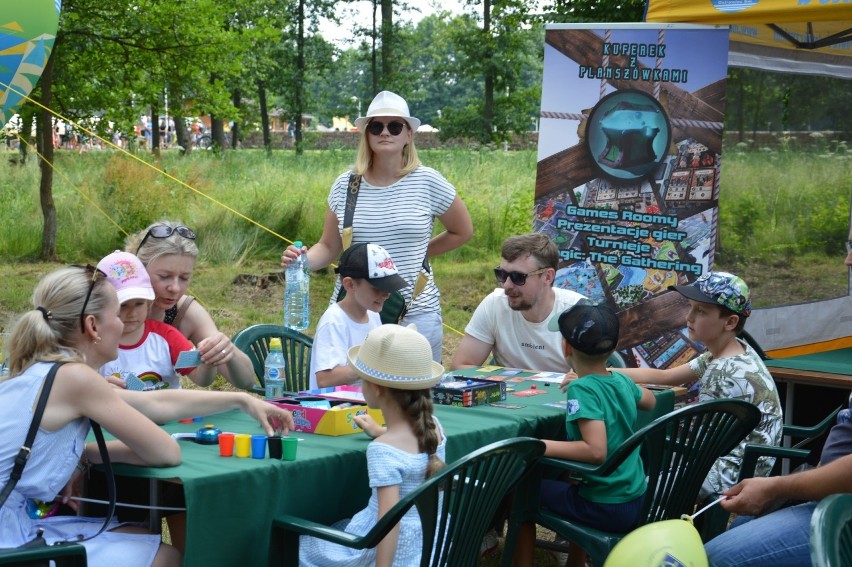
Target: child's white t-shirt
335	334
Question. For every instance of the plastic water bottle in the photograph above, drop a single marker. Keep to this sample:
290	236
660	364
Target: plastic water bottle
297	298
273	370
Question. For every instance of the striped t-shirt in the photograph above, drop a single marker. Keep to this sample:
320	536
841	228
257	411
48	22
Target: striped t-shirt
399	218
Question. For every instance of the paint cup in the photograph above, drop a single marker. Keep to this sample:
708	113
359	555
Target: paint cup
242	442
226	444
258	446
274	443
288	448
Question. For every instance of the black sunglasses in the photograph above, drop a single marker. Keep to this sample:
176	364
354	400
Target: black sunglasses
165	231
95	272
376	128
518	278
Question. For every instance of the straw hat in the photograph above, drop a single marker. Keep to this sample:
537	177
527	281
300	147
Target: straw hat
387	103
396	357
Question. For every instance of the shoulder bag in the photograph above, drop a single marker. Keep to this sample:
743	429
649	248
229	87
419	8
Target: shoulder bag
395	307
24	455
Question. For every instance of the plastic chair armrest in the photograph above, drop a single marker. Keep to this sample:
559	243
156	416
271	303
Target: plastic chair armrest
753	452
302	526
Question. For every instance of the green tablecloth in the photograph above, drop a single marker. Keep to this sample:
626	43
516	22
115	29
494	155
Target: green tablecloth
230	501
833	361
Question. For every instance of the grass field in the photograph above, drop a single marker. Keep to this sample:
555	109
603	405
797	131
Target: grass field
784	218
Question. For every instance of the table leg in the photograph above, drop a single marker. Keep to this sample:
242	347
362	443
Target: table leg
788	419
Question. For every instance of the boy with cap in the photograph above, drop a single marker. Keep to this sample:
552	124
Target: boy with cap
147	349
719	304
602	406
369	276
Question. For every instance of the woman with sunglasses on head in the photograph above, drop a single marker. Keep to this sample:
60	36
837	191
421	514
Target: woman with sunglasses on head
397	203
168	251
75	320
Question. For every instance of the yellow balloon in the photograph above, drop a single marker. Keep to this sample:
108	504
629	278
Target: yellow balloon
670	543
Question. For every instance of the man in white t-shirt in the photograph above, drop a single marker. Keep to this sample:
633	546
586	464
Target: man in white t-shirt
511	322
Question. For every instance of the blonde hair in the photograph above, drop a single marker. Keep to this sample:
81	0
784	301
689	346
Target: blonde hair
53	334
364	157
156	247
418	409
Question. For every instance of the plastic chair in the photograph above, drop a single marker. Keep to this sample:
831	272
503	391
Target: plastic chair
615	360
678	450
831	531
63	555
254	341
456	507
805	445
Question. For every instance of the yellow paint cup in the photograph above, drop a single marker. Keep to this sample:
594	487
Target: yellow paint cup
242	442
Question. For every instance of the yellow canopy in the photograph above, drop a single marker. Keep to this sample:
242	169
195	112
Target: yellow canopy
800	36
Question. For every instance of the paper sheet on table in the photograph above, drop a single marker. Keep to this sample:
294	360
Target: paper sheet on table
551	377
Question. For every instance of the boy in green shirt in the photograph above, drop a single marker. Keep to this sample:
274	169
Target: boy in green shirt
602	406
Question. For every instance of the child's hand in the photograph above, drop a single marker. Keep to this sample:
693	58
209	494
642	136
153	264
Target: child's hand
116	381
369	425
569	376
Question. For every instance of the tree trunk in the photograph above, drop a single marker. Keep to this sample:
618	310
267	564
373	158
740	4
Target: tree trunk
488	103
374	58
45	134
264	117
182	134
387	43
217	132
300	78
155	130
235	131
26	135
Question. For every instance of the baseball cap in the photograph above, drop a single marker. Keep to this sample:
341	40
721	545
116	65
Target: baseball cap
372	263
128	275
588	327
720	288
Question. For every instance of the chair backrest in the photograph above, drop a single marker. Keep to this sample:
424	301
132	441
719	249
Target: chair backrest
62	555
254	341
678	450
456	506
615	360
831	531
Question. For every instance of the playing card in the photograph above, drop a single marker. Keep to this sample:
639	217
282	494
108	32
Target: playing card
188	359
134	383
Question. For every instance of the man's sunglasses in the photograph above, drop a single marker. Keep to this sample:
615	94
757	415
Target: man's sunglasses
94	273
165	231
376	128
518	278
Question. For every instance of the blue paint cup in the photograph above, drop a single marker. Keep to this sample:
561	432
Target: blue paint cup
258	446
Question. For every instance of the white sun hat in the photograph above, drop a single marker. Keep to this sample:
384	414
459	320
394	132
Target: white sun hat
396	357
387	103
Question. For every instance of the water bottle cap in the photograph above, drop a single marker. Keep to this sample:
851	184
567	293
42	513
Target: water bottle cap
275	343
298	244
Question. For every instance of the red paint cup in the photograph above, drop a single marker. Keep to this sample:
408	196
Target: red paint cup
226	444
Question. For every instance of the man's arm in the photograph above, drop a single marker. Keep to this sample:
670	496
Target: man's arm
471	352
753	495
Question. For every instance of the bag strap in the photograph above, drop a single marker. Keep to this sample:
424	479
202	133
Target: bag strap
24	452
108	475
354	188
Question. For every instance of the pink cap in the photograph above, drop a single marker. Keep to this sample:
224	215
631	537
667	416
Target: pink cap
128	275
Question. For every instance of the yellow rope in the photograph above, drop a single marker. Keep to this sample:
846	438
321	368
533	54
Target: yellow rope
140	160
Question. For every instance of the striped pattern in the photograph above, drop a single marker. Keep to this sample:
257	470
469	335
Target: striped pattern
399	218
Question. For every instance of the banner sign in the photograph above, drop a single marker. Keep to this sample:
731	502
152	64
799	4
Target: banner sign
627	184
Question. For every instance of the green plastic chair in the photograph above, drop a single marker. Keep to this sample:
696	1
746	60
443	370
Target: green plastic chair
254	341
678	450
63	555
831	531
805	443
456	507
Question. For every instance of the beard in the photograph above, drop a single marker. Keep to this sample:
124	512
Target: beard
519	304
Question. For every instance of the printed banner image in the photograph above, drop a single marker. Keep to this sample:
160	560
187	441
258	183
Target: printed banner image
628	173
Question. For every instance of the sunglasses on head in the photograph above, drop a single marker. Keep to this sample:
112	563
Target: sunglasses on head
94	272
165	231
394	128
518	278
